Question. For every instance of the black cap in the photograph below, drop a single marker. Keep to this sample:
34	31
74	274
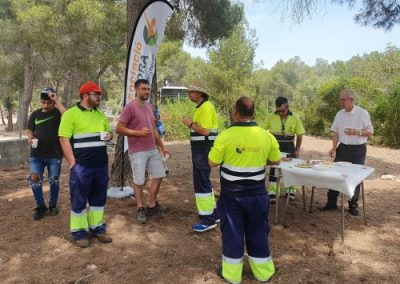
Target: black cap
44	94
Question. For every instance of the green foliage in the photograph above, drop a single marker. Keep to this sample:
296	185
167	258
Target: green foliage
391	129
203	23
230	68
171	115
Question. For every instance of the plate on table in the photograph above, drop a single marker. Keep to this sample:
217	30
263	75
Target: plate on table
322	166
327	163
343	164
286	159
304	165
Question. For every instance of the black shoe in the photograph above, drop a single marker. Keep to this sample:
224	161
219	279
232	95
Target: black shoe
328	207
272	198
158	209
40	212
53	211
354	211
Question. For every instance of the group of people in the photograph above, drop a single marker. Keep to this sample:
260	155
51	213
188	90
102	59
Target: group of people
242	151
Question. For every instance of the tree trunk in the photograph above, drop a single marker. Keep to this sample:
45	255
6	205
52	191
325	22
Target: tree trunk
22	120
133	8
121	167
68	90
9	107
121	172
2	116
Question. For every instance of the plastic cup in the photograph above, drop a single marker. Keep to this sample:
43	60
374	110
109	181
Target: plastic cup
35	142
104	135
165	158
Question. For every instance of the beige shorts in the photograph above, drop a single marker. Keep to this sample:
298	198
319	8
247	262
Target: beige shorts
146	160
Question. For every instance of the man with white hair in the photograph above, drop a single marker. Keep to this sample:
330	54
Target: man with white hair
350	129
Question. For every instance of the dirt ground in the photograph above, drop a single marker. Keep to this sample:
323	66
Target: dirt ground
165	250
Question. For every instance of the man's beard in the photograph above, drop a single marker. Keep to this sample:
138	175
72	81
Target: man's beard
144	98
93	103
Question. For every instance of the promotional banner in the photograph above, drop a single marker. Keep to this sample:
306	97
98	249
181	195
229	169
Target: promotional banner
145	41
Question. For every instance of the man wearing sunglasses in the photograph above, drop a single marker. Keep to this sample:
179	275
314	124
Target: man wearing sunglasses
285	126
84	131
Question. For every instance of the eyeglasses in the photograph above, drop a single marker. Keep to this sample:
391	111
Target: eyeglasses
97	95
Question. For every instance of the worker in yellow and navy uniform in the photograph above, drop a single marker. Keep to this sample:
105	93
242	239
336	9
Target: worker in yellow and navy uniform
83	132
284	125
242	151
203	131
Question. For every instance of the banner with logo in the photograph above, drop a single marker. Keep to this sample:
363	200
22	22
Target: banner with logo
145	41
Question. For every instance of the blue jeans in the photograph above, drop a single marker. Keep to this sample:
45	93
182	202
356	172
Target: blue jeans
36	167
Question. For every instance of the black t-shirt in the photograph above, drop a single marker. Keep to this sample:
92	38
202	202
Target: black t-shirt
44	126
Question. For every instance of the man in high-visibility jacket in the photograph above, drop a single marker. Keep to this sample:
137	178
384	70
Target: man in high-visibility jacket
242	151
284	125
203	130
83	132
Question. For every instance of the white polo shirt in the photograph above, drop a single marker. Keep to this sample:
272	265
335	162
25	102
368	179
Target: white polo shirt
356	118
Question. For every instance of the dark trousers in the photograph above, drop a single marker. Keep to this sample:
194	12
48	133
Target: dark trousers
356	155
244	219
88	185
201	179
286	148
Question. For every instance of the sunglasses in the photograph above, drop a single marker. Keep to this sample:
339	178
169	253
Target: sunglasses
97	95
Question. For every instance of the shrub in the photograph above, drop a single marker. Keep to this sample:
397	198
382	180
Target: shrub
171	115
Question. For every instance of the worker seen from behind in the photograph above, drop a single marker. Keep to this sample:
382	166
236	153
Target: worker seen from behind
242	151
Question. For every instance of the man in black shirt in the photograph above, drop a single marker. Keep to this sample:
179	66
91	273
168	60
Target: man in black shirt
46	151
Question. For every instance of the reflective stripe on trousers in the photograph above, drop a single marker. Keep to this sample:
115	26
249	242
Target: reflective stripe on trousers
244	219
87	185
205	201
232	269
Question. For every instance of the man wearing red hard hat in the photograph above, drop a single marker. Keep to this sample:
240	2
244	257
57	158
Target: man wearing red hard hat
84	131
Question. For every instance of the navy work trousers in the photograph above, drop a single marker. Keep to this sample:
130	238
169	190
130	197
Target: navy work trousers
244	218
88	185
201	178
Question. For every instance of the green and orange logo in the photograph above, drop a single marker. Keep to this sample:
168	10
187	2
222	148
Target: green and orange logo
150	33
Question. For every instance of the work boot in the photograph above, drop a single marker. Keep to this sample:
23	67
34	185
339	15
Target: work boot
40	212
272	198
328	207
83	243
53	211
353	209
103	238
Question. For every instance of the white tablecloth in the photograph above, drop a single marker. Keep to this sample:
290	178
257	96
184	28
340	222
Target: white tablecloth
341	178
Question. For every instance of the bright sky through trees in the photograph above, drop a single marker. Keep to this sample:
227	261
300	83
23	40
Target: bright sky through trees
331	34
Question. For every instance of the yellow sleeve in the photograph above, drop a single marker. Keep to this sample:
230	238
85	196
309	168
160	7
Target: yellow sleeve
217	152
66	128
299	128
106	124
274	153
